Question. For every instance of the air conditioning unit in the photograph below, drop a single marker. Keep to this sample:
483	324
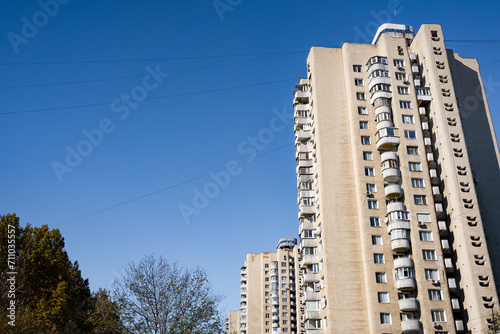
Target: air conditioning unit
317	288
435	324
434	281
368	193
420	223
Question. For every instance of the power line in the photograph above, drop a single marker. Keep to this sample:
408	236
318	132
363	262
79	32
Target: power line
138	75
149	98
148	59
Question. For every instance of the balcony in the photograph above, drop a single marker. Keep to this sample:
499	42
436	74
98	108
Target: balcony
445	245
310	295
442	226
314	331
306	210
427	142
304	148
433	173
276	318
380	94
414	69
430	157
393	191
439	208
387	138
399	225
382	109
409	304
452	283
400	245
309	242
425	127
308	260
312	314
377	66
301	97
303	135
311	278
378	80
417	82
403	262
422	112
459	325
411	326
423	96
396	206
413	57
406	284
391	175
275	301
455	304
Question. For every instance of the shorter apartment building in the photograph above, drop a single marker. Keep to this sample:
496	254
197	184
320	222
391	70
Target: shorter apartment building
268	301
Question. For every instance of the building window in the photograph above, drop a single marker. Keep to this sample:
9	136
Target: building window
362	111
410	134
308	200
435	294
408	119
385	318
267	279
285	314
371	188
358	82
363	124
431	274
374	221
369	171
415	166
383	297
381	277
266	286
412	150
420	199
378	258
285	330
267	315
376	240
400	76
360	96
438	315
434	33
403	90
313	323
283	271
429	254
268	330
266	265
405	104
399	62
367	156
417	183
426	235
356	68
372	204
365	140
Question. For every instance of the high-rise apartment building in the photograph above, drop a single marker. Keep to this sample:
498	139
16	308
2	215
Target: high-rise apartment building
398	178
268	291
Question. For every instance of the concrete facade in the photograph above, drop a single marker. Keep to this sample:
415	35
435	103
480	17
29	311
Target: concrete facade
397	175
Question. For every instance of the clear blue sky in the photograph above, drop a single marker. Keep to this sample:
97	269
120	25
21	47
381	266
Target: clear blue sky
225	78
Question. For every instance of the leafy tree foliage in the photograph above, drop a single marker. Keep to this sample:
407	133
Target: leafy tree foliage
156	296
494	328
50	294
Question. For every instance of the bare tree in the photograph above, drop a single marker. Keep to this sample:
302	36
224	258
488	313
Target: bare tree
159	297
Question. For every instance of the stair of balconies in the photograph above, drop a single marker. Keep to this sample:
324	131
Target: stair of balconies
387	138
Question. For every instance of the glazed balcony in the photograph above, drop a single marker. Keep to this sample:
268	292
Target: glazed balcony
380	94
427	142
409	304
376	66
387	138
378	80
422	112
425	127
411	326
442	226
393	191
448	265
423	96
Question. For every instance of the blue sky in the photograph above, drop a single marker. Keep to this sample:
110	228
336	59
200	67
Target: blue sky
213	88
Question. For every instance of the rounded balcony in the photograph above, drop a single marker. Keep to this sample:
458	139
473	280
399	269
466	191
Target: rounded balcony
387	138
406	284
383	109
275	301
386	156
400	245
378	80
409	304
377	66
398	225
393	191
391	175
403	262
411	326
380	94
396	206
384	124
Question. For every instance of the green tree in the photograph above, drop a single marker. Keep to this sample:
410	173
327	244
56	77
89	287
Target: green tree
50	294
494	328
104	316
156	296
